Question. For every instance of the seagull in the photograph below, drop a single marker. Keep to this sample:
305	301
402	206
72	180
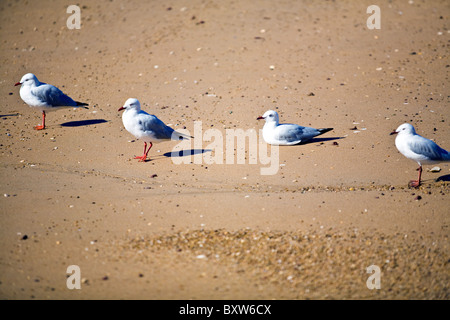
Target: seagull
44	97
418	148
286	134
146	127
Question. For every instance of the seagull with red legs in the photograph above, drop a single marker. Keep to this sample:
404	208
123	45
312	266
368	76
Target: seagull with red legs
146	127
44	97
419	149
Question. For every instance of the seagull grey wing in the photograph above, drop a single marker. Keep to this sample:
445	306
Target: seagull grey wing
287	134
52	96
309	133
293	133
428	149
154	126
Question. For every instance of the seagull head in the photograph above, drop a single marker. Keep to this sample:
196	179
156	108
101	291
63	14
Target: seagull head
131	103
270	116
28	80
405	128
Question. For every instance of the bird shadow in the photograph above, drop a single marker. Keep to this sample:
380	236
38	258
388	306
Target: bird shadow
185	153
444	178
9	115
316	140
82	123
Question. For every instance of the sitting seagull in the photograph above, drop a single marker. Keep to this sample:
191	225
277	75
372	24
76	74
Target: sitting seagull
44	97
418	148
146	127
287	134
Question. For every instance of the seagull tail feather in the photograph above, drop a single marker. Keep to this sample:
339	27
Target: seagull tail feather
182	136
82	104
324	130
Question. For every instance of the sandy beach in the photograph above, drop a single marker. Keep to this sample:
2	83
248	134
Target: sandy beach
181	226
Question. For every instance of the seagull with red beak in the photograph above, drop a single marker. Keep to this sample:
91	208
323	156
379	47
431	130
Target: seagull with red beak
44	97
146	127
418	148
286	134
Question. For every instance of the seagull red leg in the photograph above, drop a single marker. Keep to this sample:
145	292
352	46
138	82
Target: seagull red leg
416	183
43	122
144	156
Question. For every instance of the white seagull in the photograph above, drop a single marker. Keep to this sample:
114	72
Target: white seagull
44	97
287	134
418	148
146	127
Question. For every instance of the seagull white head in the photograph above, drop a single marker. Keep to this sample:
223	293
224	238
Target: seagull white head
28	80
405	128
131	103
270	116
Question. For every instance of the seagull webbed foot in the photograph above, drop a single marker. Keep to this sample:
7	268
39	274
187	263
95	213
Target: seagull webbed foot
414	184
141	158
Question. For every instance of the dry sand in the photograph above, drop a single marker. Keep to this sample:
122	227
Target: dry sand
73	194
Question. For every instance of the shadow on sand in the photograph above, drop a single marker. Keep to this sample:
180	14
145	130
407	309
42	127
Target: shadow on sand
82	123
316	140
185	153
444	178
9	115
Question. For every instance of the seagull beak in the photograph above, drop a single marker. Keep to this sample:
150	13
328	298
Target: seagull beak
121	108
17	84
259	118
393	132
